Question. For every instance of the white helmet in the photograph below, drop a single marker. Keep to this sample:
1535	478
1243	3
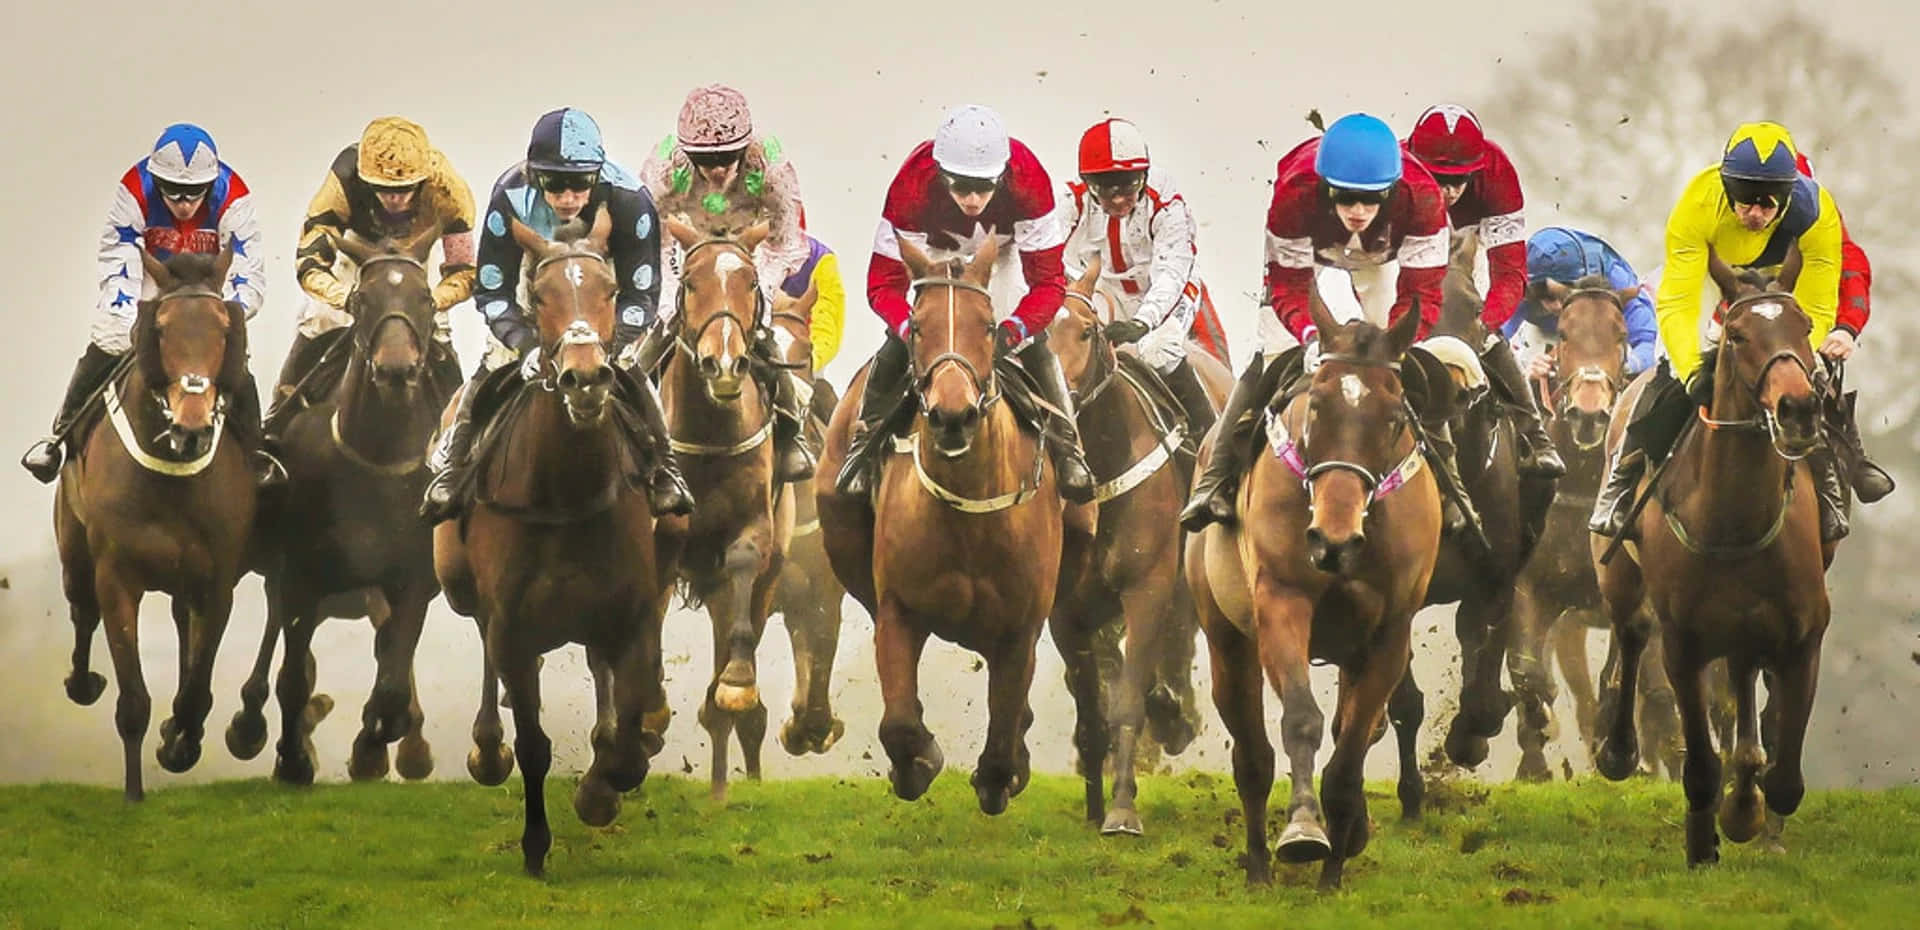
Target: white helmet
972	143
184	154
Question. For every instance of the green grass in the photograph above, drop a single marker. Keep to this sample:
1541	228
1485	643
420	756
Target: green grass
844	853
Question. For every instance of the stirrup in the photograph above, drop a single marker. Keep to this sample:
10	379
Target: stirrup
43	459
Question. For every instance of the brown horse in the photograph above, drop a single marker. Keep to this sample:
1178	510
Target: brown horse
1135	443
1557	594
1731	564
346	530
807	595
722	418
1333	567
965	534
1513	509
559	545
161	498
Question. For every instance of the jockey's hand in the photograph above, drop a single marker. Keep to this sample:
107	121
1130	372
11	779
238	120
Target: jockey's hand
1006	338
1838	346
1125	331
530	364
1540	366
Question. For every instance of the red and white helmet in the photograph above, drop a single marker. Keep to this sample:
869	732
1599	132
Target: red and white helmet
1113	145
1448	140
973	143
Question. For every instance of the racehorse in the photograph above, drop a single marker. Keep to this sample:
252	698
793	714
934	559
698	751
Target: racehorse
1331	562
721	418
558	545
346	530
1135	438
965	536
1730	564
161	499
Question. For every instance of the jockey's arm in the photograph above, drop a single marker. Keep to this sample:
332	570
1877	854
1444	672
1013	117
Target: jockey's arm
1173	260
494	292
1423	265
1818	289
1290	264
456	239
1046	284
1856	286
1506	281
636	261
325	222
1677	305
121	272
1642	330
247	276
888	280
829	310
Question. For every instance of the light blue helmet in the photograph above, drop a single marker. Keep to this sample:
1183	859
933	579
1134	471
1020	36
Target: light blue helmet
1556	253
184	154
1359	152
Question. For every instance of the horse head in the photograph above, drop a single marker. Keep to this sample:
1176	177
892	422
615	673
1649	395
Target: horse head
190	345
719	306
1591	355
1354	432
571	289
950	338
1077	335
791	321
1764	326
392	308
1461	302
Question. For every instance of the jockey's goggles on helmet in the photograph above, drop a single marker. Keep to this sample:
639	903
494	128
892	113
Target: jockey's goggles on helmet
962	185
1347	197
1115	183
1772	194
180	193
554	182
1452	180
714	159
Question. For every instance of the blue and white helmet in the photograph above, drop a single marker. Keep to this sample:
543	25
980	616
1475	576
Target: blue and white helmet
566	140
184	154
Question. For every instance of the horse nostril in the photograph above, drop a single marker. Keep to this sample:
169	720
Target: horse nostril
569	379
740	367
709	367
602	376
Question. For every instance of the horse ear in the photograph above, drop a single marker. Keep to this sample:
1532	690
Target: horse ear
355	248
1556	291
1400	335
601	233
524	236
804	304
1723	275
221	263
1464	248
156	271
980	266
1790	269
1083	285
755	234
1626	294
1317	310
682	233
233	364
917	262
420	246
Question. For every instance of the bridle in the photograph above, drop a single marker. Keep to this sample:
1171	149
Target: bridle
988	388
1764	421
578	331
685	340
1292	451
363	334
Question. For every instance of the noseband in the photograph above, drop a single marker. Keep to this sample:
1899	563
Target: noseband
1103	354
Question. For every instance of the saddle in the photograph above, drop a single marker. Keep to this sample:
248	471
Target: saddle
1165	408
1018	389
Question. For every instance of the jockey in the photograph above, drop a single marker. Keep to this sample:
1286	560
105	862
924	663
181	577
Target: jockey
1483	192
1351	198
565	176
821	271
1563	256
392	183
970	181
1130	216
719	176
1751	210
180	198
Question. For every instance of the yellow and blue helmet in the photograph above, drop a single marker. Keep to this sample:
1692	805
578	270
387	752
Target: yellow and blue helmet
1760	164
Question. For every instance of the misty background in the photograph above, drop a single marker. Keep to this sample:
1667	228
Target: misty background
1608	110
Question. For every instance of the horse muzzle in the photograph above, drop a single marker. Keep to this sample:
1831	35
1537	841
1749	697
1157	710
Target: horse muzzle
586	393
1796	424
1339	557
953	430
725	381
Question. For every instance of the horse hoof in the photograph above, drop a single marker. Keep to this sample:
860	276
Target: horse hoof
1616	760
1785	790
1742	815
297	771
246	735
490	770
792	740
414	760
736	699
1303	841
993	800
1464	748
919	774
595	802
1122	821
177	752
86	689
369	759
1533	767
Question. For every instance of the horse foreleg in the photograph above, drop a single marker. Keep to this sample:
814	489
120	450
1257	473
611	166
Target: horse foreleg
77	580
595	800
750	725
1741	813
1532	676
737	634
1701	775
1482	628
1363	701
1283	623
1619	751
1090	734
120	608
522	675
1659	718
914	753
247	732
717	720
1004	767
1793	684
294	762
1569	636
490	760
414	757
1239	695
1407	709
387	715
206	624
814	630
1144	608
1173	715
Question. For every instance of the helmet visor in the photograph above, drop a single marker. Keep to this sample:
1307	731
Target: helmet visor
1116	183
554	182
179	193
1757	193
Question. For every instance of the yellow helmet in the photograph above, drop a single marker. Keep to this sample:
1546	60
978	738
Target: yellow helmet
394	153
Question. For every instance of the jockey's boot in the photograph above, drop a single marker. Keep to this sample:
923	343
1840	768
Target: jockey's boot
1658	416
1186	387
243	418
886	385
1537	455
793	458
89	376
1069	462
650	348
1213	494
1825	468
449	457
1458	517
666	488
1870	481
